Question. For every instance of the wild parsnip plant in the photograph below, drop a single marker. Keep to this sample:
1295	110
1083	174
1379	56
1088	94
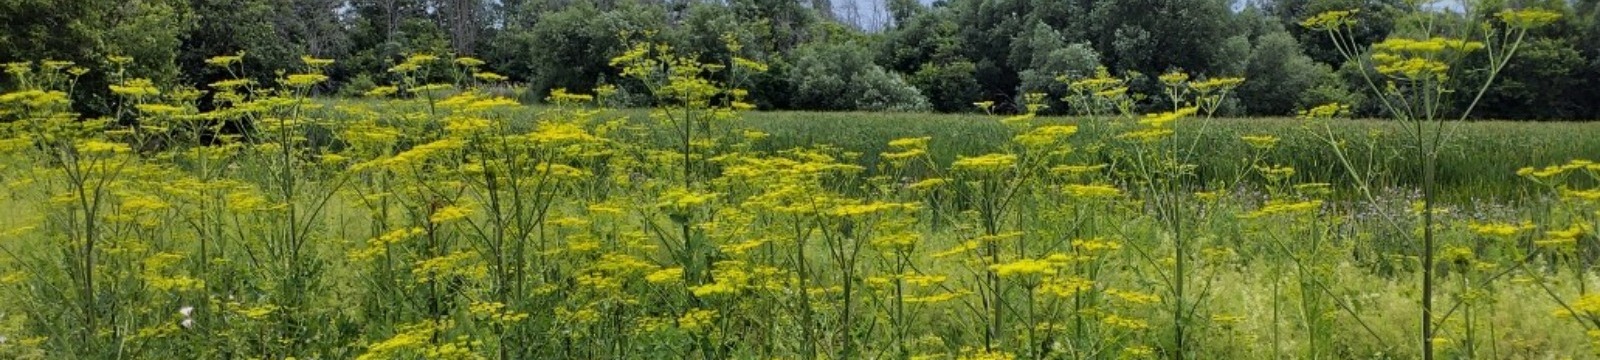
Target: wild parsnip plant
437	220
1412	75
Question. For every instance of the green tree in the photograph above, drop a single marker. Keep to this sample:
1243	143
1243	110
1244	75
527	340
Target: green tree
464	21
1279	77
273	34
88	32
779	25
843	77
930	34
1153	36
1374	20
902	11
385	31
572	47
950	87
1050	58
1550	80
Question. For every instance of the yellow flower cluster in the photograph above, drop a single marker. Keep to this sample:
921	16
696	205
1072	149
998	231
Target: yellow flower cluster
1284	207
981	354
959	249
92	146
1528	18
1096	245
1146	135
1588	304
1045	136
304	80
1127	323
860	210
1102	85
1419	60
496	311
1564	237
697	320
1214	85
449	213
1501	230
1275	173
985	163
1077	169
1066	286
1162	120
907	148
684	199
1173	78
1023	267
136	88
1325	111
379	246
1092	191
559	133
225	60
414	63
902	241
457	264
35	99
664	276
1134	297
936	298
156	265
1557	170
1260	142
927	184
416	156
1331	20
411	337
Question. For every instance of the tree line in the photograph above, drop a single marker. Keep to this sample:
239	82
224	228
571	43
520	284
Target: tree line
943	56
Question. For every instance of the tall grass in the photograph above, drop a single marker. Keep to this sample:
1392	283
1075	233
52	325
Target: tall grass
1479	163
443	222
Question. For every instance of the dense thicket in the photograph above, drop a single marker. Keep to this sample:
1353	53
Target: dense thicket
825	55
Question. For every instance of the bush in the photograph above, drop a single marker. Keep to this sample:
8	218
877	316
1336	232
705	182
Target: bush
1279	77
843	77
357	86
886	91
1071	61
950	87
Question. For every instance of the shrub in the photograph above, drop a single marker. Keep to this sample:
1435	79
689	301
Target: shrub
1281	77
949	87
843	77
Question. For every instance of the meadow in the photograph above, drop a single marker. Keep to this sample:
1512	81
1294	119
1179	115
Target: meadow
436	220
1480	164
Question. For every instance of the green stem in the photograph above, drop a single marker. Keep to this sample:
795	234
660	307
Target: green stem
1429	172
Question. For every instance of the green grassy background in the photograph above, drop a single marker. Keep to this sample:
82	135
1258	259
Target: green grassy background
1479	162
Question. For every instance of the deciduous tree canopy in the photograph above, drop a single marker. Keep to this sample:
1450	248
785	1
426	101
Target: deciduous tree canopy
951	52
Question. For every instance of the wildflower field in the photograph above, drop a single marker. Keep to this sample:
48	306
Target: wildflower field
436	220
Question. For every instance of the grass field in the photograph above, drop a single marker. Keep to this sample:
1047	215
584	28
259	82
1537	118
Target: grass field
1482	160
460	225
1480	165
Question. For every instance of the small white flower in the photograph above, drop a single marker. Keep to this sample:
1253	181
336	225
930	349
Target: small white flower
2	339
186	311
187	323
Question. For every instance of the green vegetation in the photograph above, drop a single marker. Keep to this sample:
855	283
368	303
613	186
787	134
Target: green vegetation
247	206
824	55
1480	163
